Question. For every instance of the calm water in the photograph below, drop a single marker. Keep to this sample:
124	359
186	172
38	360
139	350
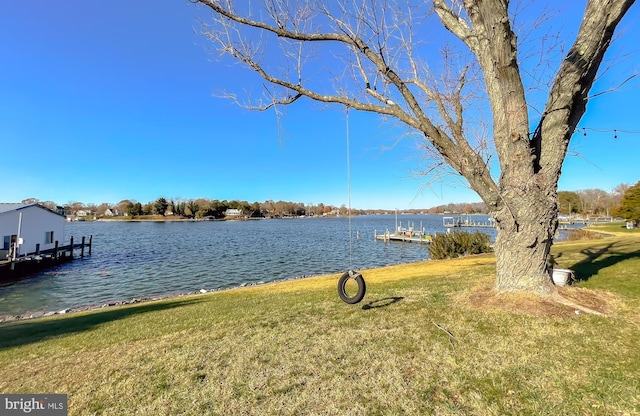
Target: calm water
139	259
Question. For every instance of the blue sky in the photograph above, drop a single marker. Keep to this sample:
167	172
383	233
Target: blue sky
111	100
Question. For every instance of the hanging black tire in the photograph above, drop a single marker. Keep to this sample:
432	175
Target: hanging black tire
342	287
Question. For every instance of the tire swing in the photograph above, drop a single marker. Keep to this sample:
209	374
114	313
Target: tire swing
342	287
351	274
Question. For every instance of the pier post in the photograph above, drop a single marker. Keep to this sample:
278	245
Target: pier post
71	246
37	249
90	243
55	251
82	248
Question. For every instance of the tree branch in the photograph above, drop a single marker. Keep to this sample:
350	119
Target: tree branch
569	94
456	25
607	91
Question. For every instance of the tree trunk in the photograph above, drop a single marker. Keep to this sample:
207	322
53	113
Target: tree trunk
526	223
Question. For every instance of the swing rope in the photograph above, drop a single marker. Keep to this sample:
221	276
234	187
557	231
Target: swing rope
350	274
349	191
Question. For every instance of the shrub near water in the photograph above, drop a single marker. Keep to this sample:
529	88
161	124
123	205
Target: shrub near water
452	245
581	234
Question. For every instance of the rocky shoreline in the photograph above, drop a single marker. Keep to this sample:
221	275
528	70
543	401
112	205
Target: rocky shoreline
94	307
83	308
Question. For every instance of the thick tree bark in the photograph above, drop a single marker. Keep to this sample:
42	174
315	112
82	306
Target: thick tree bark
526	224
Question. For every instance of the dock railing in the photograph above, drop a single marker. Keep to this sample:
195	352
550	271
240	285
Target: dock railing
59	251
53	255
459	221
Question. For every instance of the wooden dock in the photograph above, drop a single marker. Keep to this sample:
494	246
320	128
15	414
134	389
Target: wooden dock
403	236
407	235
12	269
454	222
583	220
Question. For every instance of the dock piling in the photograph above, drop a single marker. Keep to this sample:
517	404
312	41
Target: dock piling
41	259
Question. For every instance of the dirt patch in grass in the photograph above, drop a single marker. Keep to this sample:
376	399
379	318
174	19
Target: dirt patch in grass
596	300
570	302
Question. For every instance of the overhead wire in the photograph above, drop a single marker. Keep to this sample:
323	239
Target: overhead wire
614	131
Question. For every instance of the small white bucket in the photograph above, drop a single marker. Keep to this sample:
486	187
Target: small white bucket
562	277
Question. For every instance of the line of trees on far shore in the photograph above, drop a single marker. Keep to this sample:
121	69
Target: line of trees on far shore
619	202
198	208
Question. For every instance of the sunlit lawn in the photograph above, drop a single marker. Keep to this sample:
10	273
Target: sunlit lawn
427	339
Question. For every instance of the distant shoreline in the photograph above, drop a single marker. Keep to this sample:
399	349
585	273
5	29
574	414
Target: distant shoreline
171	219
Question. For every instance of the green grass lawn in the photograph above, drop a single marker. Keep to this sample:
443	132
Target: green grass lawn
429	338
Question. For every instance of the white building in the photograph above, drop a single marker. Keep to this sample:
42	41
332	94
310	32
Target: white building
24	226
111	212
232	212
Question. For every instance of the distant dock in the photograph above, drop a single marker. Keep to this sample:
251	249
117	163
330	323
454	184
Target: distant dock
404	235
413	234
585	220
460	221
410	234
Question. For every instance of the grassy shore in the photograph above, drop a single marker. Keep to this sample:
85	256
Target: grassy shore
429	338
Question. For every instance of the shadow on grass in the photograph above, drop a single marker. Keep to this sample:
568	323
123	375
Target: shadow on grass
381	303
598	258
29	331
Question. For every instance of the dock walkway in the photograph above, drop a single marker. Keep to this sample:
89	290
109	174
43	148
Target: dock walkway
455	222
41	259
408	236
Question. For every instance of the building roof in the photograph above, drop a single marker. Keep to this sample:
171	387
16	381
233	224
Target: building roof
8	207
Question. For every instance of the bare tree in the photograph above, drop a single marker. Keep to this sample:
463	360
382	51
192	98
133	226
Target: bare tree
383	63
596	201
617	195
102	208
123	205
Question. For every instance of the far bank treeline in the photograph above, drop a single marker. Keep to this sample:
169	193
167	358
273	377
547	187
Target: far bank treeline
583	202
217	209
